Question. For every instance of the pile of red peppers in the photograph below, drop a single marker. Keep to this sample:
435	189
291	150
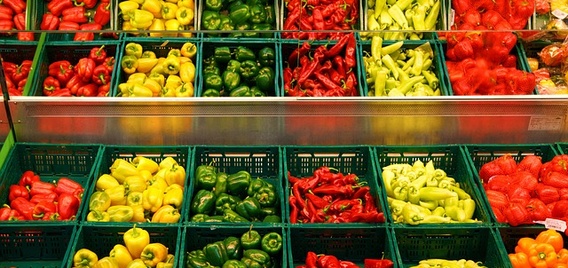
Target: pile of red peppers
314	260
322	72
89	77
527	191
320	19
492	14
80	16
16	76
331	197
13	16
32	199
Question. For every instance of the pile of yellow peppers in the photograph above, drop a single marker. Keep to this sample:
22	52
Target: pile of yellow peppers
153	76
158	16
140	190
137	252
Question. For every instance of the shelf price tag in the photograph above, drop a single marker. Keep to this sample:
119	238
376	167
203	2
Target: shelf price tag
555	224
559	14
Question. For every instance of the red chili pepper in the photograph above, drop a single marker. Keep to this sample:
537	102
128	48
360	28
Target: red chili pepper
6	13
23	207
84	69
18	6
293	209
56	7
311	68
293	179
87	3
88	90
50	85
18	191
42	208
298	196
62	70
76	14
69	186
27	178
318	202
346	190
67	206
102	13
343	204
51	197
299	52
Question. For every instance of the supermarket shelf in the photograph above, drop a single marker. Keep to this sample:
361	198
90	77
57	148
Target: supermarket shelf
284	120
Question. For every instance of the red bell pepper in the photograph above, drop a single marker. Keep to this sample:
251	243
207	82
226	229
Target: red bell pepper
538	210
24	207
378	263
42	208
56	7
101	75
98	54
86	33
102	13
327	261
41	187
69	186
547	194
50	85
88	90
555	179
22	71
103	90
18	6
6	13
27	178
62	70
25	36
87	3
74	84
64	92
109	63
67	206
51	197
20	21
18	191
76	14
84	69
68	26
49	22
560	209
517	214
6	25
5	212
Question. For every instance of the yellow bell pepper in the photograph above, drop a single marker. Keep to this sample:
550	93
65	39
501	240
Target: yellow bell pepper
174	52
187	72
100	200
84	258
127	26
159	175
98	216
120	253
145	65
142	162
152	198
157	27
148	54
185	90
141	19
126	8
129	64
117	195
166	214
173	195
173	80
159	182
169	10
137	263
154	86
134	198
107	262
138	1
186	3
139	91
138	214
168	263
189	49
135	240
183	59
121	169
167	162
173	26
125	89
153	6
136	78
185	15
171	66
187	31
120	213
154	253
135	184
175	175
158	77
105	181
146	175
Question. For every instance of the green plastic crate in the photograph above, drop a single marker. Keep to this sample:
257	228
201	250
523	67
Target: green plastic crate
562	147
161	47
347	243
302	161
452	243
18	52
255	46
197	237
111	153
449	158
260	161
511	235
50	162
35	245
36	10
102	239
437	63
55	51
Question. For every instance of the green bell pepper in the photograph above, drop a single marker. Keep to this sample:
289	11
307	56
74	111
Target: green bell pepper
211	70
241	91
232	216
249	69
214	5
210	61
270	14
268	211
242	54
226	23
211	93
234	3
239	13
263	27
256	92
196	259
233	246
216	218
255	185
250	263
198	253
249	208
210	20
203	202
272	243
266	196
201	169
220	183
237	183
213	81
206	177
272	219
259	256
222	54
257	13
251	240
234	264
234	66
200	217
267	57
231	80
225	201
265	79
216	253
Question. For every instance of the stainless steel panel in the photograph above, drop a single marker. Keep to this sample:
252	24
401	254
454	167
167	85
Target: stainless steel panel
4	124
333	121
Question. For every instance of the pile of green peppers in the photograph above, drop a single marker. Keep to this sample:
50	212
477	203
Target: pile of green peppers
251	250
236	18
236	197
239	72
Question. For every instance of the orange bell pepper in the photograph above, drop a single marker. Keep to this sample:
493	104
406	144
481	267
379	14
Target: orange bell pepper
519	260
562	256
542	255
551	237
524	245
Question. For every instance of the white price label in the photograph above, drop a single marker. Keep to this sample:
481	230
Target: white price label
555	224
559	14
